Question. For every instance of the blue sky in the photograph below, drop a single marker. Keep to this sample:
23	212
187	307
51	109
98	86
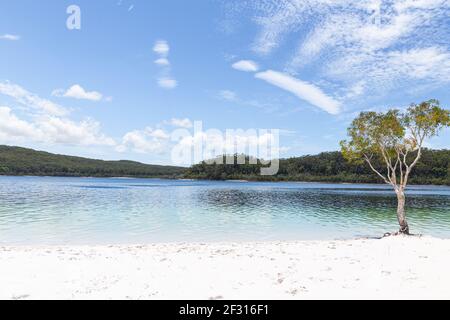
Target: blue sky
137	70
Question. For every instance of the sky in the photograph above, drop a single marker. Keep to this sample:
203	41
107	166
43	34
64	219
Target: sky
117	80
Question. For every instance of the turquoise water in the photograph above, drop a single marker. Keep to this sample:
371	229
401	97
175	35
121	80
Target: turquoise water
40	210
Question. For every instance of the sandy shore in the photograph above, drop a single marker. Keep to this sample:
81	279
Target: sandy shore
392	268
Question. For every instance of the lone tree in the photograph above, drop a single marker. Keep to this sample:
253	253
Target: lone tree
396	139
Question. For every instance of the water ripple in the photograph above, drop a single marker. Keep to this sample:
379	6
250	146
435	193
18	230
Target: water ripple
77	210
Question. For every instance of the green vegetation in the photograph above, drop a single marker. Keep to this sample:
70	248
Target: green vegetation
20	161
397	138
434	168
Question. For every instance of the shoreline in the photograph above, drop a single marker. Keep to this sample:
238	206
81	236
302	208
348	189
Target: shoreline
388	268
168	178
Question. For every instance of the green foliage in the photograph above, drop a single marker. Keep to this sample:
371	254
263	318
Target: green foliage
394	137
390	133
21	161
327	167
427	117
370	132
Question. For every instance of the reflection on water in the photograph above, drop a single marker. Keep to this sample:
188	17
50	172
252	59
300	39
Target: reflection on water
79	210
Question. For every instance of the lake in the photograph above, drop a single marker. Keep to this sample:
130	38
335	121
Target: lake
47	210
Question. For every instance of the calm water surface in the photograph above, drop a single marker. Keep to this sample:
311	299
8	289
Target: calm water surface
36	210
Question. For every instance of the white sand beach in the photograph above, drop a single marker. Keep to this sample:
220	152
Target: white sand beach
390	268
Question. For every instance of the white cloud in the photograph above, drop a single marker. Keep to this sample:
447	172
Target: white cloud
181	123
12	128
145	141
152	140
228	95
46	122
167	83
51	130
433	63
161	47
65	131
381	72
164	62
368	21
277	18
356	90
301	89
345	42
165	80
368	26
10	37
158	134
180	142
77	92
246	65
419	4
214	143
31	100
139	143
121	148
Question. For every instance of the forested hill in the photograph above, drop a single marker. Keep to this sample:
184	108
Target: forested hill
434	168
21	161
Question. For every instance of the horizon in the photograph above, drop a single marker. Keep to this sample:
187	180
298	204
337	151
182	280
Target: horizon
116	85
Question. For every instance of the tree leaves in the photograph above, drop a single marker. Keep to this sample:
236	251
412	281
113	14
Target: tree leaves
393	136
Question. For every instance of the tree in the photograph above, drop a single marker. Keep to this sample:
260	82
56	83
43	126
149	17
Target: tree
396	139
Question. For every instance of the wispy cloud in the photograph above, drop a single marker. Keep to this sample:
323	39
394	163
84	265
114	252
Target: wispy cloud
167	83
180	123
77	92
246	65
276	18
162	48
228	95
130	7
388	45
364	48
302	89
28	99
165	80
231	96
162	62
10	37
381	72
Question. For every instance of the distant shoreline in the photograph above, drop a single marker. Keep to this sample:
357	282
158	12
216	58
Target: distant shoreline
220	180
327	167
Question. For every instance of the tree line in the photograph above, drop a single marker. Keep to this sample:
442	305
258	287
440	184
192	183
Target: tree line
434	168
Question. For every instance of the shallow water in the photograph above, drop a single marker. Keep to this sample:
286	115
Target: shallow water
41	210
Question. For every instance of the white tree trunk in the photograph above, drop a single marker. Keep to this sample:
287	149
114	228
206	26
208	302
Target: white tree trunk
401	215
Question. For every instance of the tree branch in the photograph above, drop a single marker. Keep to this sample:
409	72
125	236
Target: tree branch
377	172
401	166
